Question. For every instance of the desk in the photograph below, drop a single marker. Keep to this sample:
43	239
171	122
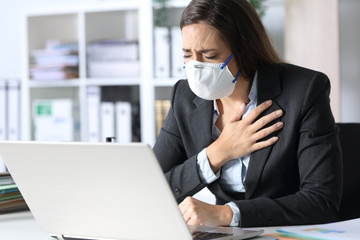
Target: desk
22	226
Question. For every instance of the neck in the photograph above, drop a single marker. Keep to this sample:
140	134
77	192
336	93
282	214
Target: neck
240	94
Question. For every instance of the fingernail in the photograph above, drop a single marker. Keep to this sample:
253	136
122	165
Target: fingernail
242	106
268	102
279	112
280	124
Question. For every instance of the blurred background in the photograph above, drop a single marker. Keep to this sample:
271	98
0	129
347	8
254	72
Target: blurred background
84	70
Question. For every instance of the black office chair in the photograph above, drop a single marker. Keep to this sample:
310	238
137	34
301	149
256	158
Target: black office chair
350	144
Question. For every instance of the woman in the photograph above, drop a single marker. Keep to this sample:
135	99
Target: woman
257	132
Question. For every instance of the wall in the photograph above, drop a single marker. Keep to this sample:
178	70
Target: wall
350	59
312	41
9	40
274	22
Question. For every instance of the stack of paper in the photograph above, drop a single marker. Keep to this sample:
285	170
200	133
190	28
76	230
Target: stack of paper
10	197
113	58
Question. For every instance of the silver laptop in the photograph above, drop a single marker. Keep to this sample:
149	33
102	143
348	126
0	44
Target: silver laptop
101	191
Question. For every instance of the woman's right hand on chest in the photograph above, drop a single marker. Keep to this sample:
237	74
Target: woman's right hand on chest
240	137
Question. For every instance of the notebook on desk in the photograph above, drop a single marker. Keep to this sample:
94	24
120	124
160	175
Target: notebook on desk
101	191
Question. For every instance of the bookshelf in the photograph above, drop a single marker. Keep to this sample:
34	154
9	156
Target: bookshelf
83	25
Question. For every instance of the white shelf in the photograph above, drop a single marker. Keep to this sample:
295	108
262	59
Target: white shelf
84	23
113	81
54	83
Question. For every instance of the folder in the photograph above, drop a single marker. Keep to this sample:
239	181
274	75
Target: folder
93	112
177	54
162	52
123	122
107	120
3	114
13	109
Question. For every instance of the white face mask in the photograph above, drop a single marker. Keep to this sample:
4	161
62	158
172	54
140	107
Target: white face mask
210	81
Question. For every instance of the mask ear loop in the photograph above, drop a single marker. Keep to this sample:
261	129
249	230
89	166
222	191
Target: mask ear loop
227	61
224	65
237	76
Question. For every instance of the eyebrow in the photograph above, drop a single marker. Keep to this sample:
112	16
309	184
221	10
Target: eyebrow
200	51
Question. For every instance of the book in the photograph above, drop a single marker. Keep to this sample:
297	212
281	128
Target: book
56	61
10	196
6	179
13	205
54	73
162	107
10	188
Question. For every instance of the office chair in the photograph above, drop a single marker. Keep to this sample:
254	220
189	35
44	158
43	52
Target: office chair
350	144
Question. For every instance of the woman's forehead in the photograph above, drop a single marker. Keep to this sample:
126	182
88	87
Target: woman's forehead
201	36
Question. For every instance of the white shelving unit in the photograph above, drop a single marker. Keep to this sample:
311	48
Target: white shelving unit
130	20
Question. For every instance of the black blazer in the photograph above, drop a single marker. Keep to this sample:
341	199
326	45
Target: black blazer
296	181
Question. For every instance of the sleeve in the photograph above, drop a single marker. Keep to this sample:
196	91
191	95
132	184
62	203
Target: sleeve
320	169
206	173
235	221
180	170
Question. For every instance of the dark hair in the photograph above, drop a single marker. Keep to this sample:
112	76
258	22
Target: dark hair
240	26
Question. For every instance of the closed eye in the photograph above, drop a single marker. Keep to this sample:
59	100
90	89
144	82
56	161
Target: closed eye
211	57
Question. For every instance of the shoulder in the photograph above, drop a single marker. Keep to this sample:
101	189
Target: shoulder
182	94
181	87
297	75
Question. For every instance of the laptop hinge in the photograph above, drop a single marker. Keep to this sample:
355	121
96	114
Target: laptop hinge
59	237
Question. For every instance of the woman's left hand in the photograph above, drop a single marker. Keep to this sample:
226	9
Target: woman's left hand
196	212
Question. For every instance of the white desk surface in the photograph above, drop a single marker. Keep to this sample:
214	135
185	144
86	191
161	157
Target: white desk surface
22	226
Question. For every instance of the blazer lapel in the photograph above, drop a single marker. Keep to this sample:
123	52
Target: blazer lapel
268	88
200	122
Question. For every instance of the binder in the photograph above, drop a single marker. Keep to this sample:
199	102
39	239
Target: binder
177	55
162	52
93	112
3	114
2	166
123	122
107	120
13	109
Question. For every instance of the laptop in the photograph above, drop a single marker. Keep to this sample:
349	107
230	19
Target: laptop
101	191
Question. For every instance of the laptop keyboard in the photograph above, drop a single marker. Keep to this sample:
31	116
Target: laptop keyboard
207	235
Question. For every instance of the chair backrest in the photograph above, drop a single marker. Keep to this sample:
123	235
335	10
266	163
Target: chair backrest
350	144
